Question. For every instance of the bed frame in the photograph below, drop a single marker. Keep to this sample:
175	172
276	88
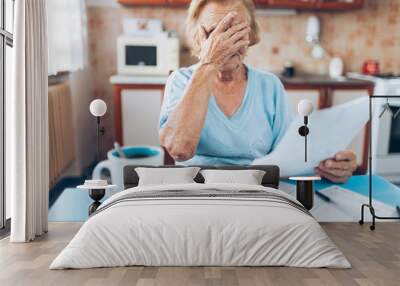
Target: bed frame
270	179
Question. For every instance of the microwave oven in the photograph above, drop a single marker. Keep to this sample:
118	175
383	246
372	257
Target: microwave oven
156	55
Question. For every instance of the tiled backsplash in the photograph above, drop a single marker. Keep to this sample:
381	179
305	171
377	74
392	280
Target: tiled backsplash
370	33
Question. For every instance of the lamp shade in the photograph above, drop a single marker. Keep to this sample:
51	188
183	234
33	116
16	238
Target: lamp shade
305	107
98	107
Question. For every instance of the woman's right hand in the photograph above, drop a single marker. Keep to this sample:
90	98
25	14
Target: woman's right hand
228	38
181	133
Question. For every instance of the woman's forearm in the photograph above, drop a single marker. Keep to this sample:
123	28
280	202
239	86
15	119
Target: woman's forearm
181	133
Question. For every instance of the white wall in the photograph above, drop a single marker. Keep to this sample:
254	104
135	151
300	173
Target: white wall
84	122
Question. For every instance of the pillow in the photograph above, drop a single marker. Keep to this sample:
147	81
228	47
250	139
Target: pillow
165	176
248	177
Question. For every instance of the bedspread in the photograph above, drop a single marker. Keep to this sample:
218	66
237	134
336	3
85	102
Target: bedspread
201	224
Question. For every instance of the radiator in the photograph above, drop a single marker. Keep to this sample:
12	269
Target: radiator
61	135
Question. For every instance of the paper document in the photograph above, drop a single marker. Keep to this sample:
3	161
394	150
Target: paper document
331	130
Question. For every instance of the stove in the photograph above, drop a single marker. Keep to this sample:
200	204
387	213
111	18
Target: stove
385	125
385	83
388	76
374	78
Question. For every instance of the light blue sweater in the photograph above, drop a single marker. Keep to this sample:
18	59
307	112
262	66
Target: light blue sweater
252	132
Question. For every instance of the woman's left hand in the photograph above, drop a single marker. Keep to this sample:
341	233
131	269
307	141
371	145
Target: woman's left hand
339	168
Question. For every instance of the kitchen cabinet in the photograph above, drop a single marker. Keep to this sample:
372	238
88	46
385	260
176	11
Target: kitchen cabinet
139	115
311	4
318	5
178	2
292	4
142	2
155	2
137	103
339	4
143	96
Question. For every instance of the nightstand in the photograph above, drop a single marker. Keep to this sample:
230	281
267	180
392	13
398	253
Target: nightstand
97	190
305	190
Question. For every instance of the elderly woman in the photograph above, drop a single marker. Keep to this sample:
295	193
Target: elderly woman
221	111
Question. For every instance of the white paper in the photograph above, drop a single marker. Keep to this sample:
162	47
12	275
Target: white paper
331	130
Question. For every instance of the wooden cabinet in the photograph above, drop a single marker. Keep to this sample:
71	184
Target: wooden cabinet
261	2
269	4
292	4
310	4
339	4
178	2
142	2
155	2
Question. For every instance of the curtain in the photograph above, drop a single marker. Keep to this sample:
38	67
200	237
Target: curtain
27	123
67	35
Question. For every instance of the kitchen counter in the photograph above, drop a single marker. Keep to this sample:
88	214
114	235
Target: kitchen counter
323	84
136	79
299	80
323	80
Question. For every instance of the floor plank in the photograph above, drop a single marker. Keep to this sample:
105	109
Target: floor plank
375	257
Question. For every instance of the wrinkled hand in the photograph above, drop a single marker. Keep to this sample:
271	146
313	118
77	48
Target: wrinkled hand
230	36
242	51
339	168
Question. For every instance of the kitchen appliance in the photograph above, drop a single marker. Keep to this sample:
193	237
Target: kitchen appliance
141	27
370	67
134	155
313	37
289	70
386	125
156	55
336	67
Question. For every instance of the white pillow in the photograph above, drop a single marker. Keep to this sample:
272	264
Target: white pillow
165	176
248	177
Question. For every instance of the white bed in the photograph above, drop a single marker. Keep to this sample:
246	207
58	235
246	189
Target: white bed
249	226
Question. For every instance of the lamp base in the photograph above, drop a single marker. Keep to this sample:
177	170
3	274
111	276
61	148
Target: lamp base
305	193
96	195
304	131
305	190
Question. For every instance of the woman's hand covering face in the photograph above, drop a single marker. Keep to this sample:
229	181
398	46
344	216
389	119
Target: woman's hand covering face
229	37
238	20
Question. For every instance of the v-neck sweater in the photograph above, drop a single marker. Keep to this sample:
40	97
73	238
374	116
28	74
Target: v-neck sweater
251	132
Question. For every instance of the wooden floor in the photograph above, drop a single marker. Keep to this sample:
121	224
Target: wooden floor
375	257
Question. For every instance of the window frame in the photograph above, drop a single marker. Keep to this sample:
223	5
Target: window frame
6	39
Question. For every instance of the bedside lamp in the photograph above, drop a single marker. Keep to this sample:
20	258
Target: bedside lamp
305	185
305	108
98	108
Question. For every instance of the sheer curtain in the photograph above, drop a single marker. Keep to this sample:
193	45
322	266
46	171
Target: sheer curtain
67	35
27	123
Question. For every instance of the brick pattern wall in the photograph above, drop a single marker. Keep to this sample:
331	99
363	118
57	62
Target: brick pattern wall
370	33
